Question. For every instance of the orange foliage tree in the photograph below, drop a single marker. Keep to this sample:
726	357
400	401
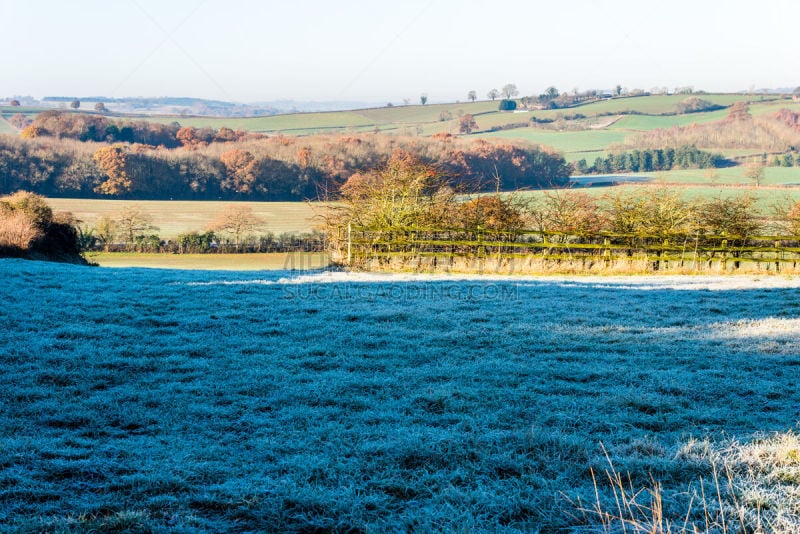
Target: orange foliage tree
113	161
240	167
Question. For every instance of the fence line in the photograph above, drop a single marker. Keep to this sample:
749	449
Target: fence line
367	247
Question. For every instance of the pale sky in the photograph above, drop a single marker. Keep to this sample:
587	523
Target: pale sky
369	50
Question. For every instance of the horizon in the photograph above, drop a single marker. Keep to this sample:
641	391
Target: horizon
251	52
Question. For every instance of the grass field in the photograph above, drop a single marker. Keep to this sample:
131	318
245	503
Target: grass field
766	197
5	126
212	262
139	400
568	142
639	123
397	117
176	217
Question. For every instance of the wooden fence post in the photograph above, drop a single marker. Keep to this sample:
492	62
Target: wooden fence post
724	259
349	244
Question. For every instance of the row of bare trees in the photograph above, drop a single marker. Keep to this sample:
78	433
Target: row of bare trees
132	228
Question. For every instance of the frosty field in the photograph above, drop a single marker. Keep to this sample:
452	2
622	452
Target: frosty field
138	400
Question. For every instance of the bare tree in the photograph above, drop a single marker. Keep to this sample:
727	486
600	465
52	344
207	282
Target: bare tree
105	228
509	91
237	220
493	94
472	96
755	172
133	221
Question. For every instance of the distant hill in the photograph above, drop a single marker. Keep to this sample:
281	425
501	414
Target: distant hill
166	106
198	107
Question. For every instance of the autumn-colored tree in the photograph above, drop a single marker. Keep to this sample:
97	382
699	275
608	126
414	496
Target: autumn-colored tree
568	213
304	157
490	213
188	137
226	135
31	132
238	221
240	166
402	193
19	121
14	103
466	124
113	161
472	96
739	111
100	107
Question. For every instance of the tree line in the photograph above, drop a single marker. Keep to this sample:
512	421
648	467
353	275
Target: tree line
166	162
653	159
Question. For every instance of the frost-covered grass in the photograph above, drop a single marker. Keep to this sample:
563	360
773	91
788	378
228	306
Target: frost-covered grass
212	262
221	401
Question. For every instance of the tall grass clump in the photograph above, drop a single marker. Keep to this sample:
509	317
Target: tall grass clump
748	487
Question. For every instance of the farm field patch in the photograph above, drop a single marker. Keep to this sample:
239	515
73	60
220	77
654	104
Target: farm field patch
142	399
173	218
569	142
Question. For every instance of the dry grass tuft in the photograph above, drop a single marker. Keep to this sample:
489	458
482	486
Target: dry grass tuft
750	487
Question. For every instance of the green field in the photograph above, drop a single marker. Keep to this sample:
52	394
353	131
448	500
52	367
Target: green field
730	175
5	127
640	123
176	217
388	118
212	262
568	142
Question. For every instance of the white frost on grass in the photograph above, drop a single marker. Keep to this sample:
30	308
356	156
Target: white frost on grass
640	283
770	327
771	335
210	401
